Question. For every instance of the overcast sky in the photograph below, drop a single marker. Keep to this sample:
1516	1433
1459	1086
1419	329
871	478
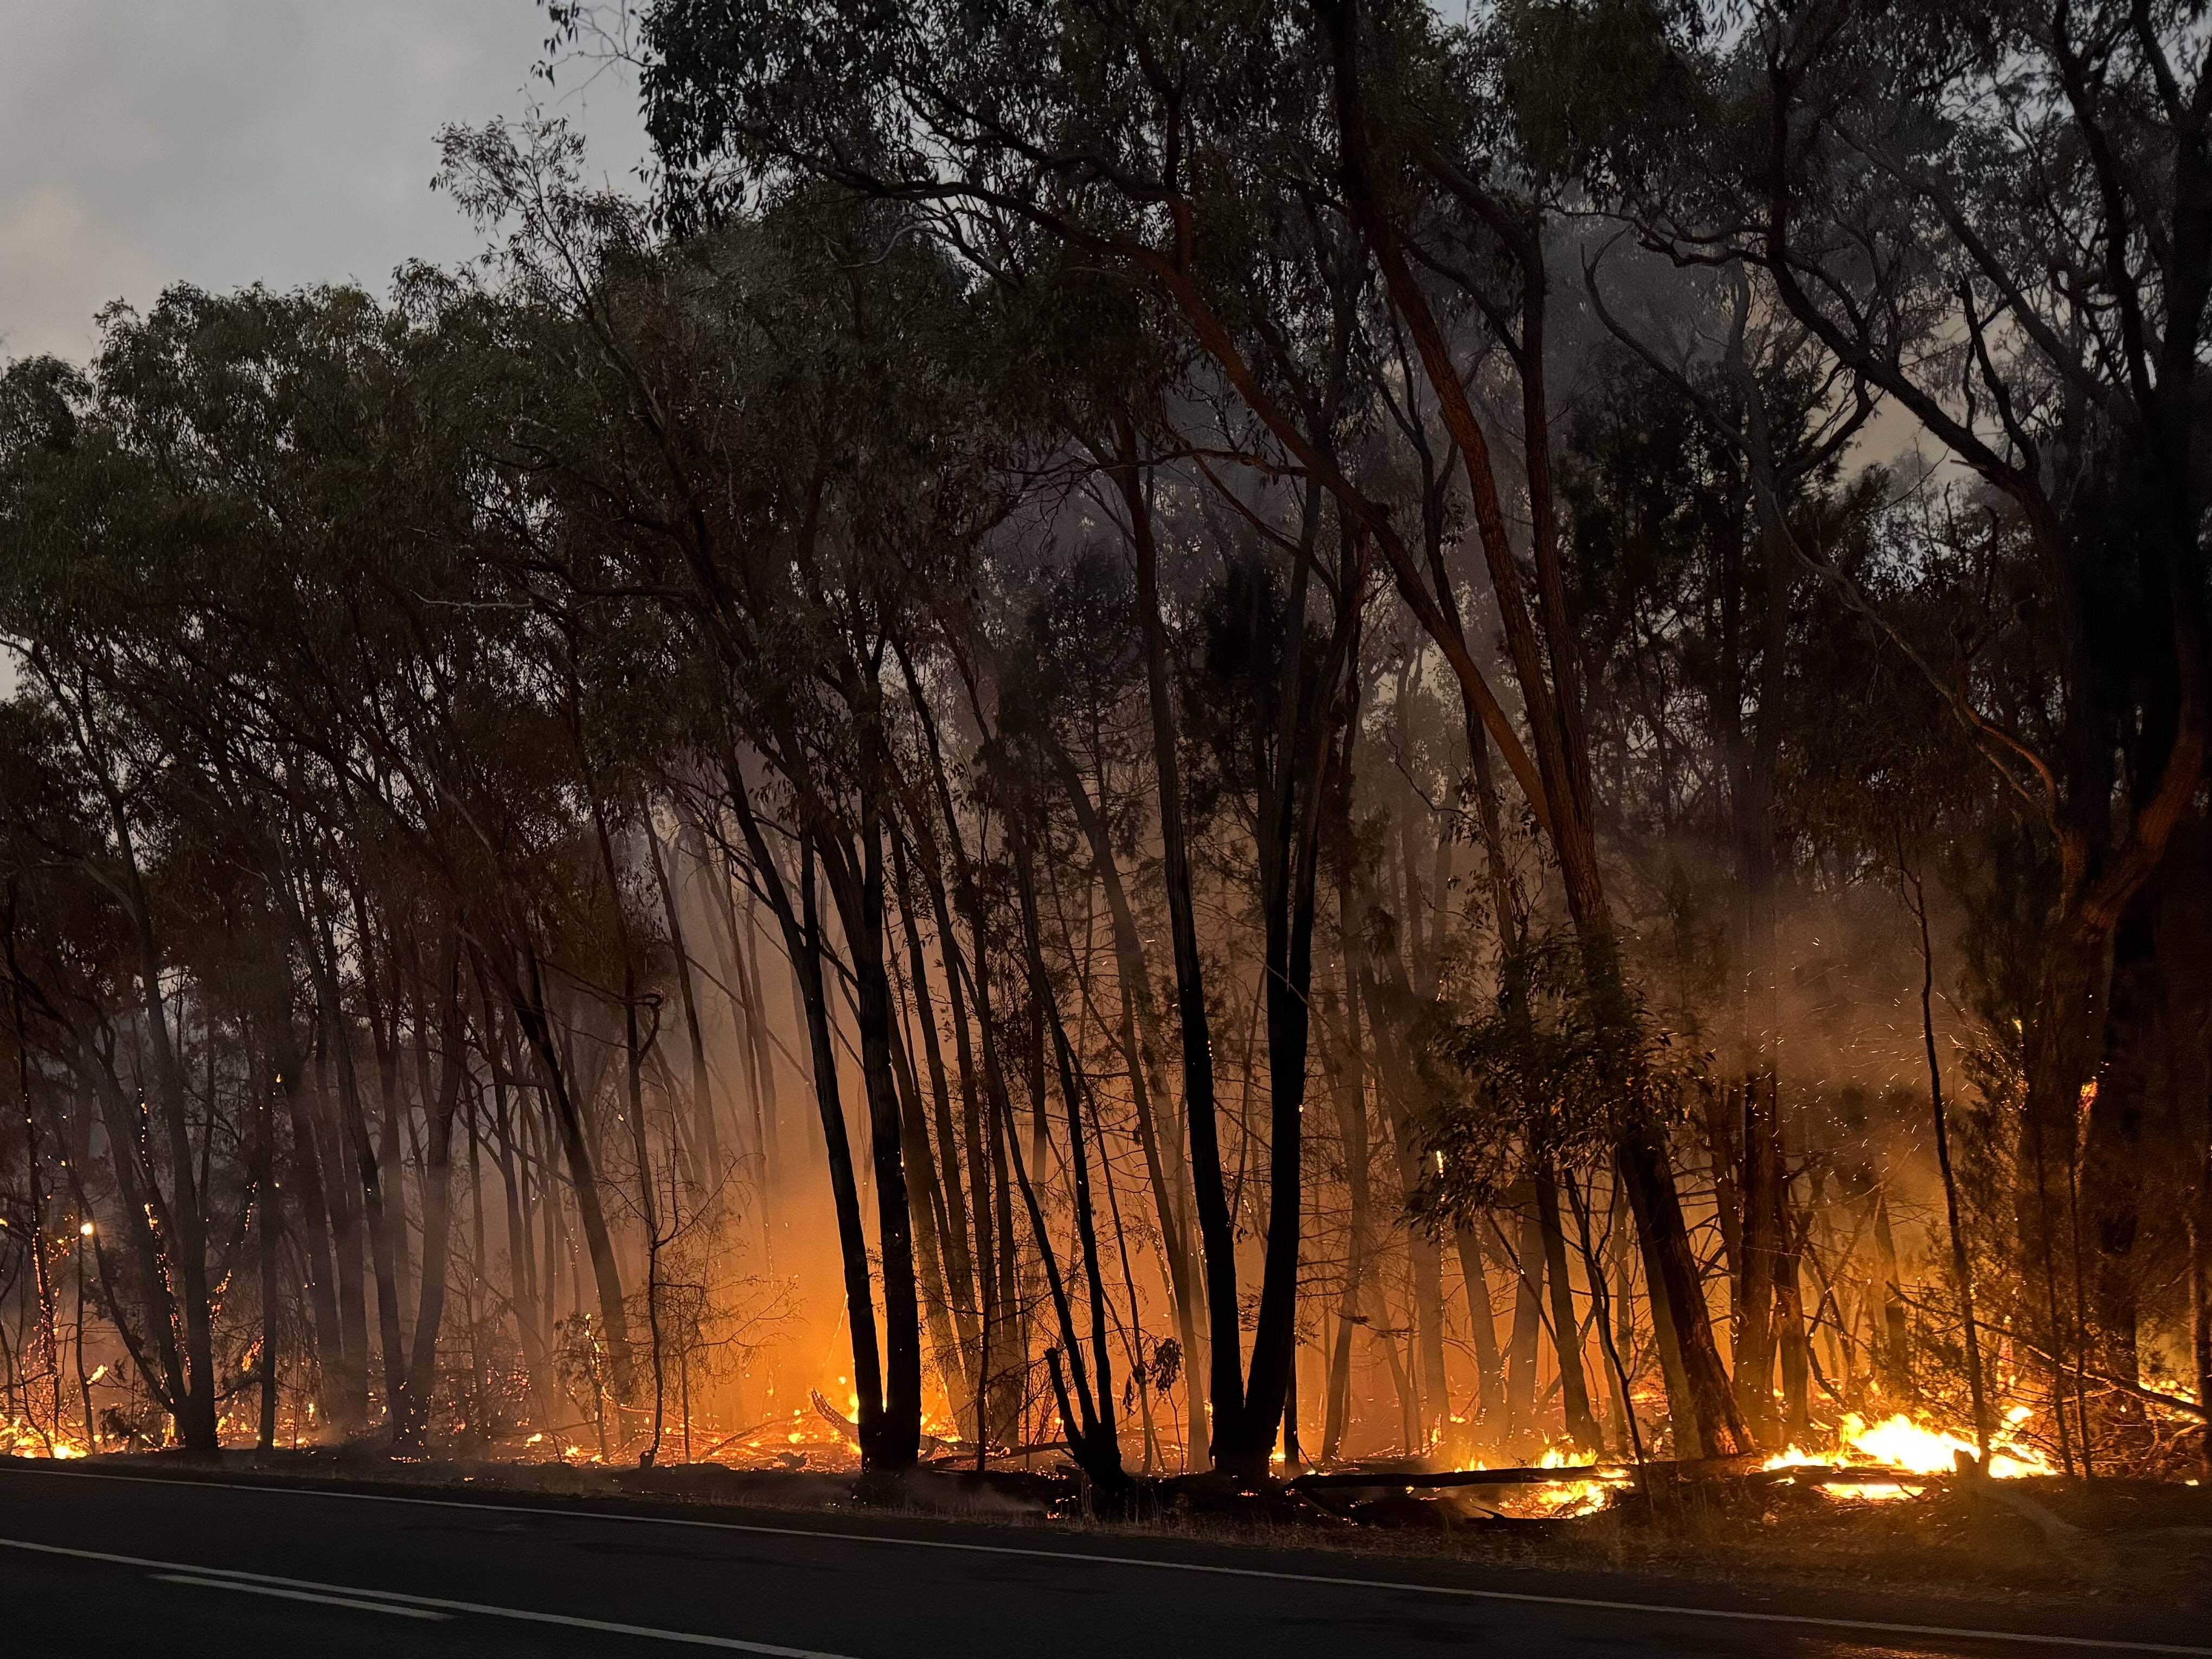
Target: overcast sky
227	142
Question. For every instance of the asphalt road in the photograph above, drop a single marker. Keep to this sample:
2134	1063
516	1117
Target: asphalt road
92	1562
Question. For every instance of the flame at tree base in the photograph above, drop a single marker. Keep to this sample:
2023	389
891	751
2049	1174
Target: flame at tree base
1899	1443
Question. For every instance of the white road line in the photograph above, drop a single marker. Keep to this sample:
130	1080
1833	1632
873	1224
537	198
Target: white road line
391	1607
2095	1644
380	1600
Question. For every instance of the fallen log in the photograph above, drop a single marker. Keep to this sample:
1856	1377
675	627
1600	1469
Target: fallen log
1613	1473
1847	1474
1841	1475
931	1444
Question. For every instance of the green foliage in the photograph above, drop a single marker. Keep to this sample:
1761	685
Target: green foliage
1552	1073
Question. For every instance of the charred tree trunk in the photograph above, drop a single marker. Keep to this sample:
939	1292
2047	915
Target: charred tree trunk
1795	1345
1225	1382
413	1416
976	1138
1352	1132
348	1363
184	1241
314	1241
899	1439
1566	1329
887	1377
1893	1331
1098	1440
1759	1261
1962	1267
703	1115
932	1224
1164	1168
1520	1427
1482	1330
958	1251
271	1243
526	991
1671	1268
2111	1175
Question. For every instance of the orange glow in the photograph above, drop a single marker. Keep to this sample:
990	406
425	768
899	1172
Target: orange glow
1899	1443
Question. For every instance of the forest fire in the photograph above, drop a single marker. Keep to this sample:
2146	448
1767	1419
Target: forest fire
1563	1499
1909	1447
19	1437
1333	825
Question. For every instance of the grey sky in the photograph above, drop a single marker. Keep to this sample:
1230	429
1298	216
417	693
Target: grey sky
227	142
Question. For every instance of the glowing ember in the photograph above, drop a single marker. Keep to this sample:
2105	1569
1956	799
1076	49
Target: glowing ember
1876	1491
20	1438
1899	1443
1557	1500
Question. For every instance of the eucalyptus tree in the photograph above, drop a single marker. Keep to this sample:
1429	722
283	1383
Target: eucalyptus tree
359	715
103	543
1699	547
1170	144
1996	219
757	434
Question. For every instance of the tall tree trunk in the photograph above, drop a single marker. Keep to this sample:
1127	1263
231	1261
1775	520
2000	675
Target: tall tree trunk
931	1221
523	1298
1796	1345
1482	1330
959	1238
272	1243
975	1136
1671	1264
1005	1334
2112	1138
1293	792
1723	1100
1101	1453
314	1245
703	1115
1352	1131
367	1169
1893	1339
1760	1258
1566	1329
1521	1426
1962	1267
185	1244
144	1211
899	1436
1226	1382
349	1362
437	1209
802	936
1165	1170
525	990
532	1312
1425	1262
